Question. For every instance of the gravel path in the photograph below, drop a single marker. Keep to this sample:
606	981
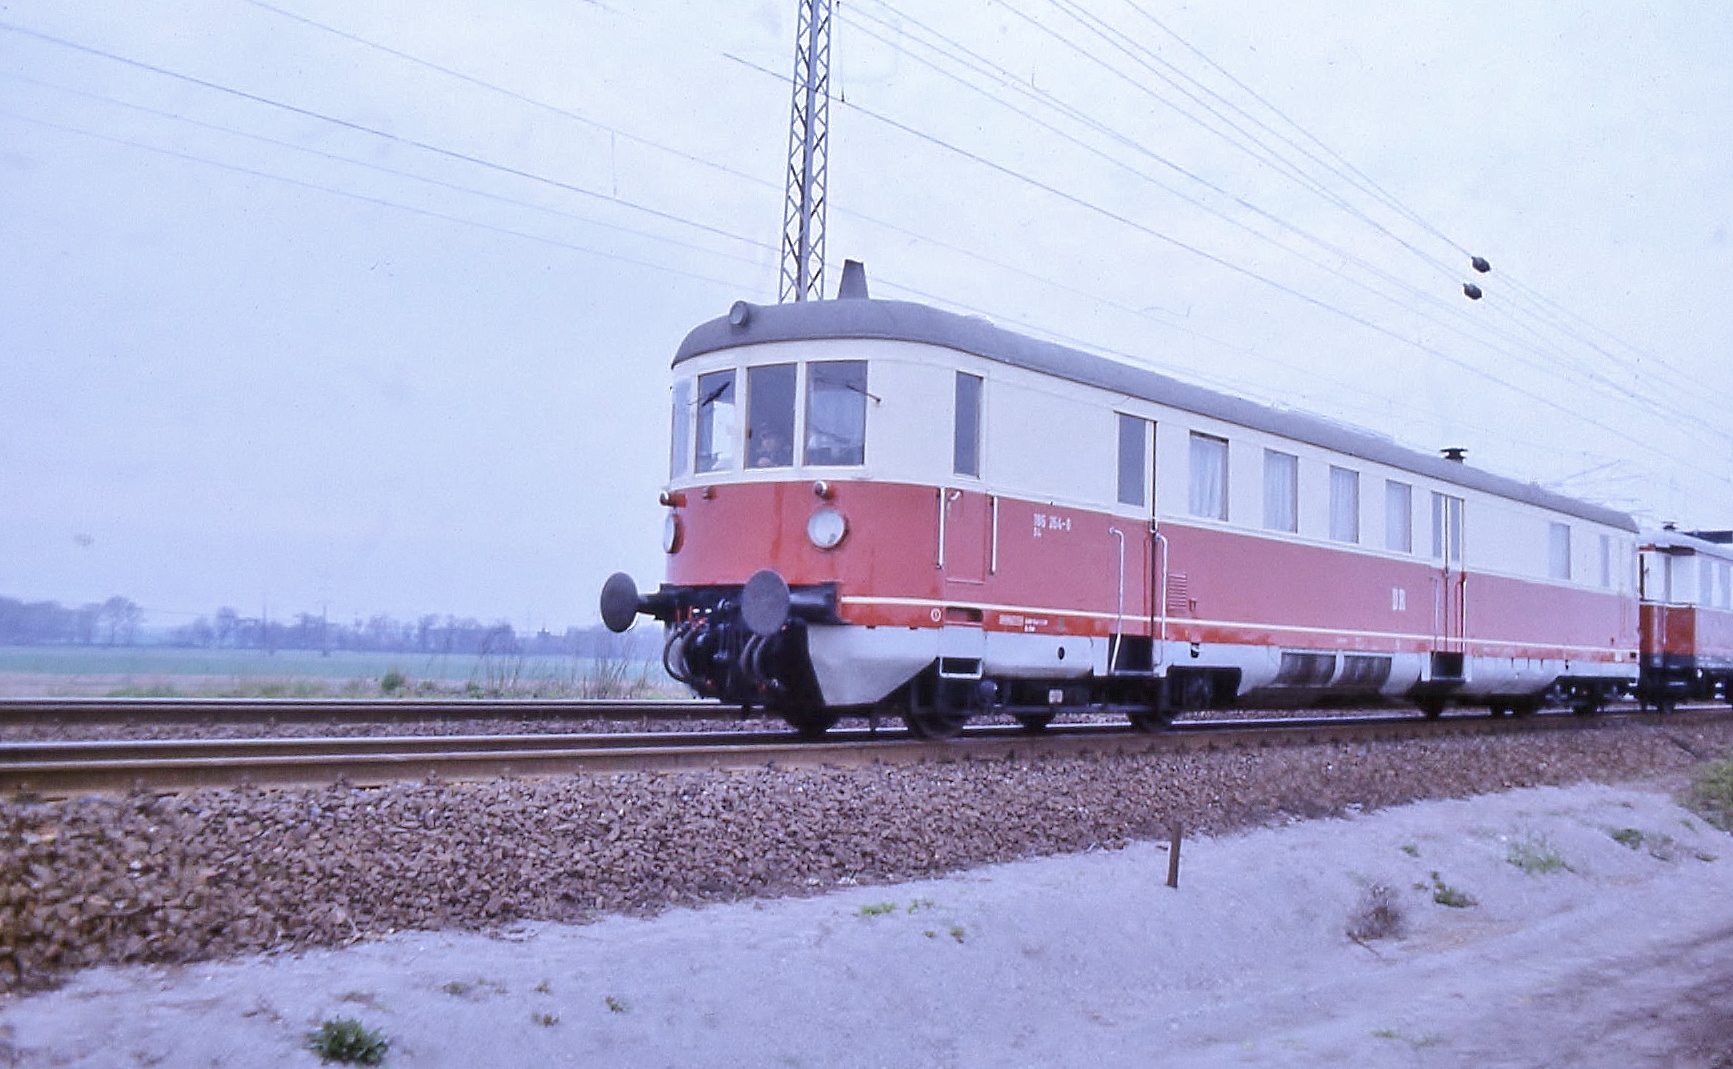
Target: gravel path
217	873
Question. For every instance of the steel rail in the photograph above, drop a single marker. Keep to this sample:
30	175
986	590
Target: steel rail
65	769
71	711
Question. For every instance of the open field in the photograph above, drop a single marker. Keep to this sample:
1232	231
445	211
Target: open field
151	671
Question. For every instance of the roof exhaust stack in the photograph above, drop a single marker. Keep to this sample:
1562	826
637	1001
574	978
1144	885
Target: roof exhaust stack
1455	452
853	286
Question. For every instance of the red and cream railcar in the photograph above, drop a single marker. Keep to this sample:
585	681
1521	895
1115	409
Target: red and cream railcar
1687	616
880	505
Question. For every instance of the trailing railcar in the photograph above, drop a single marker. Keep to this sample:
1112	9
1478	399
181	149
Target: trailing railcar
1686	617
878	505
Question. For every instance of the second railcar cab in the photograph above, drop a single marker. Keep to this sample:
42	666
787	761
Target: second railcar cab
880	505
1687	616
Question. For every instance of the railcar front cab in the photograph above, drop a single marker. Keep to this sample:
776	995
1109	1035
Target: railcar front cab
1686	617
762	441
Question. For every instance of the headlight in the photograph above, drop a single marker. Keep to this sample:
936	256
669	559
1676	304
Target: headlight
826	528
672	533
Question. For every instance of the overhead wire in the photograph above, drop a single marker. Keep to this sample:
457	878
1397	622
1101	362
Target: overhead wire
381	168
366	198
1353	174
384	134
971	59
1542	348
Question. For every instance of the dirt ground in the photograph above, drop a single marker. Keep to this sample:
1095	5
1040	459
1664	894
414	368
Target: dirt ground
1600	935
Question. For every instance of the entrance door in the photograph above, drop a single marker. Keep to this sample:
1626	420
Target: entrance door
1450	608
967	521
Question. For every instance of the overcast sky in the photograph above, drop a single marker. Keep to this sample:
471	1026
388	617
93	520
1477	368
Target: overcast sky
368	308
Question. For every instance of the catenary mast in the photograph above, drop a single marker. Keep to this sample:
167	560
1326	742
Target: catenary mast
808	142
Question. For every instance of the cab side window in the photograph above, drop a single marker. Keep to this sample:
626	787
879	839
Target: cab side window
836	397
770	416
718	422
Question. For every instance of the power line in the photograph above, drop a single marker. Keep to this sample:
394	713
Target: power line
731	285
381	168
385	134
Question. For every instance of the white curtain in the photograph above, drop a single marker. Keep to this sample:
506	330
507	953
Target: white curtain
1398	517
1344	505
1209	477
1281	491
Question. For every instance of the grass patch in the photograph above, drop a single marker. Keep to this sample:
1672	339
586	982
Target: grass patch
1711	794
1446	895
877	909
1378	915
1537	856
546	1020
348	1041
1629	837
957	932
1410	849
616	1005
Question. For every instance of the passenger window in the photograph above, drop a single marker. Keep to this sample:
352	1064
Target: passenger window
1209	477
680	439
1133	449
1398	516
1607	561
770	416
1344	505
836	397
1706	582
966	444
1281	491
718	422
1559	547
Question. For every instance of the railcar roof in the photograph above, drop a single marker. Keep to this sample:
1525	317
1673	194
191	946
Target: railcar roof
908	322
1686	540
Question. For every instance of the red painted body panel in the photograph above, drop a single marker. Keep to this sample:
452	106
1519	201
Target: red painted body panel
1030	566
1706	635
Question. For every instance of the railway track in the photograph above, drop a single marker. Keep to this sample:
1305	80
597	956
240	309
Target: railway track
65	769
85	711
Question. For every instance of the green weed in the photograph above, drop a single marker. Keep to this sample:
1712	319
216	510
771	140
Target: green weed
1537	856
1410	849
1446	895
346	1040
877	909
1630	837
616	1005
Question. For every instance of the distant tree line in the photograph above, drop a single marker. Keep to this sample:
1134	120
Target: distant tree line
31	623
116	622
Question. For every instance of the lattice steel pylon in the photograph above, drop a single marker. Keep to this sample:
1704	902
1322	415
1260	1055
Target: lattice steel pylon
808	144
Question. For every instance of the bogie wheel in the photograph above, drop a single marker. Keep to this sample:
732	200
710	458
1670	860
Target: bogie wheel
1033	722
811	724
1433	710
946	725
1500	709
1523	708
1586	707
